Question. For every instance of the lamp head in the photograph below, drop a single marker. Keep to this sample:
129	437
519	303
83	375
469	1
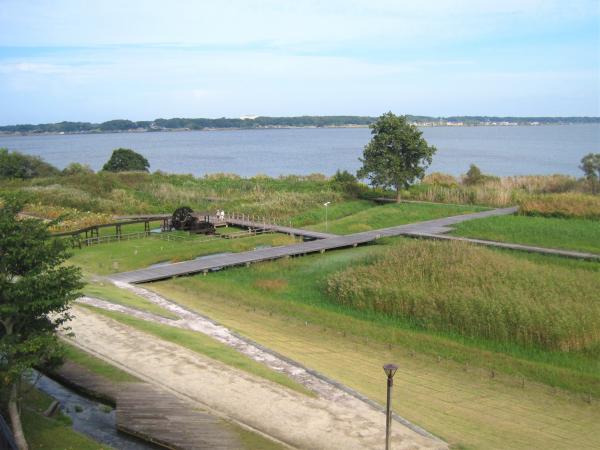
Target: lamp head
326	203
390	370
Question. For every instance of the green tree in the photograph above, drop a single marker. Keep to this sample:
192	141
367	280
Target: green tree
590	164
18	165
397	154
473	176
124	159
35	292
344	181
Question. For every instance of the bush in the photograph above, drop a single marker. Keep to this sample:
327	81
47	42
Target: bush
346	183
477	293
18	165
440	179
77	169
473	176
124	160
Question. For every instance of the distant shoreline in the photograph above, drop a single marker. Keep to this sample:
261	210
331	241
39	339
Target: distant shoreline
170	130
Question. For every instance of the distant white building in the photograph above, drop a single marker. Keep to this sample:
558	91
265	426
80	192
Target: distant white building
248	117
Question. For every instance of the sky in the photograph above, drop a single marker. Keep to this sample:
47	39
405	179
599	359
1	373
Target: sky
141	60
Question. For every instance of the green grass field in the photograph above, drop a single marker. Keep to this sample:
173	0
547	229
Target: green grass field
568	234
115	257
468	391
374	217
297	287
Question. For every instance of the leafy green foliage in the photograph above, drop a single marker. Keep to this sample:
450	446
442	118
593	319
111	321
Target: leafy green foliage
590	164
345	182
18	165
126	160
35	292
77	169
473	176
397	155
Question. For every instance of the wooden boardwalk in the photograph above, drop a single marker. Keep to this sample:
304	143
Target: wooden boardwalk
247	223
217	262
152	414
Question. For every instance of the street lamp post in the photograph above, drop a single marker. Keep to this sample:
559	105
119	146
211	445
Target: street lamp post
326	204
390	371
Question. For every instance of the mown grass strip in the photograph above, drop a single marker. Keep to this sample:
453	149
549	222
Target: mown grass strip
551	232
204	345
96	365
111	293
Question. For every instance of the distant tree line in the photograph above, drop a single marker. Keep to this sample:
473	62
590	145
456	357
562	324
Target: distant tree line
261	122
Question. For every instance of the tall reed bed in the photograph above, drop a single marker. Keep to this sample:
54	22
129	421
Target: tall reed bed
478	293
570	204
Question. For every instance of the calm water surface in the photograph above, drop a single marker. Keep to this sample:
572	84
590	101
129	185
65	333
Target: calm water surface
496	150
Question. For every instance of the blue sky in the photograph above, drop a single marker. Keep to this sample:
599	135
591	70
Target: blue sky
95	61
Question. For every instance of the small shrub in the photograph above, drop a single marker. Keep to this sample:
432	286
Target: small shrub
440	179
77	169
473	176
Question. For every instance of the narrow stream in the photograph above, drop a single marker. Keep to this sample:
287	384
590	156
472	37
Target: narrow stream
96	420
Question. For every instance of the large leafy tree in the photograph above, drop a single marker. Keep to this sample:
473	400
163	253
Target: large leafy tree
397	154
124	160
35	292
590	164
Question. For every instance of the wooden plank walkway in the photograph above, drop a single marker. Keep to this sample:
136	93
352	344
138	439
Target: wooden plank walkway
217	262
247	223
152	414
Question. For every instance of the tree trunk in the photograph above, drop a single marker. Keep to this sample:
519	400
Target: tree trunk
398	199
15	418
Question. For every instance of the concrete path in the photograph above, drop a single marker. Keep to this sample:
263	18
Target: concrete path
293	418
217	262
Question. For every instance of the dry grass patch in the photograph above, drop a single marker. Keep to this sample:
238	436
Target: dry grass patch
562	205
271	285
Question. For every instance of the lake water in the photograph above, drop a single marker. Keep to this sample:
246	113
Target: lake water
496	150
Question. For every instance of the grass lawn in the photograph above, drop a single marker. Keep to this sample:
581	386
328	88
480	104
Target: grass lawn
465	390
121	256
96	365
51	433
205	345
109	292
374	217
568	234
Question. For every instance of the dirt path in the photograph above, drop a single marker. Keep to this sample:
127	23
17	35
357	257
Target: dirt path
291	417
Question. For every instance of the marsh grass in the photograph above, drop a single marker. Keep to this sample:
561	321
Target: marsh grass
476	293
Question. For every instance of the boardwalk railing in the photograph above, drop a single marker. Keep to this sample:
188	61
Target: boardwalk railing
166	236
